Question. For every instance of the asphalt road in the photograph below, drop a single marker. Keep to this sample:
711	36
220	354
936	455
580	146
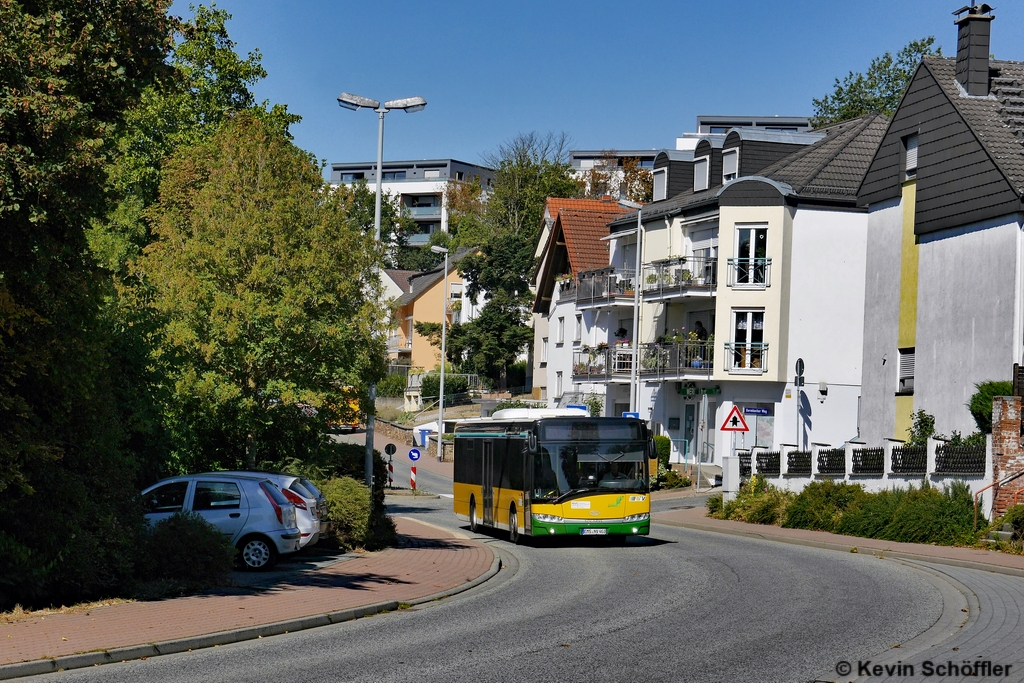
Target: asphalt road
681	605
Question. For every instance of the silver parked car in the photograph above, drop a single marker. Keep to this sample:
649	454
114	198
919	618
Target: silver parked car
250	509
310	504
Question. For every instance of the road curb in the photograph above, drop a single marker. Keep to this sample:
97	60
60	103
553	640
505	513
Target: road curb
842	547
123	654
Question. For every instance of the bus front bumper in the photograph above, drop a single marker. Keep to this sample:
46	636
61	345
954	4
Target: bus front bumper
596	527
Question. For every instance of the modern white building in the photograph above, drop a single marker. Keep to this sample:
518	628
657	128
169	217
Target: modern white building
418	187
766	251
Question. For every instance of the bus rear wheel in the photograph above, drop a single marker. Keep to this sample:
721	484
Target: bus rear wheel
513	526
472	515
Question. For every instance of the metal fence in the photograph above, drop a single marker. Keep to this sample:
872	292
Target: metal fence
909	459
744	457
868	460
769	463
960	459
832	461
799	462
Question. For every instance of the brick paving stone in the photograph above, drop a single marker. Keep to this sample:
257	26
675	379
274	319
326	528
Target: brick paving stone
428	561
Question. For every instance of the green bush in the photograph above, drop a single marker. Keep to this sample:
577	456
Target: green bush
870	517
674	480
509	403
393	386
821	505
757	502
980	404
1014	516
430	385
927	515
714	505
348	510
664	446
185	552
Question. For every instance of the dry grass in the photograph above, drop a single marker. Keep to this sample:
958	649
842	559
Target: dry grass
18	614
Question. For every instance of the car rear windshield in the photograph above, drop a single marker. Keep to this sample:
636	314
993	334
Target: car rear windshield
301	490
312	489
274	492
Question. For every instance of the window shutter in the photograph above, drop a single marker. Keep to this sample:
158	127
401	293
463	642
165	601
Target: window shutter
729	165
906	364
700	174
911	153
660	185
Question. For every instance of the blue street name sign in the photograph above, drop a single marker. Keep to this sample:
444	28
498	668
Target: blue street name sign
756	411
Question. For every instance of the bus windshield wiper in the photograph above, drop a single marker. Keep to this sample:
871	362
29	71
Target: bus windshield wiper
574	492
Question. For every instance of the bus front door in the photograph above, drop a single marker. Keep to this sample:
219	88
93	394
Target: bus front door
488	481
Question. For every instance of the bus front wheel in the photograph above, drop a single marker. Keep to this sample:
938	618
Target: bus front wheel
513	526
472	515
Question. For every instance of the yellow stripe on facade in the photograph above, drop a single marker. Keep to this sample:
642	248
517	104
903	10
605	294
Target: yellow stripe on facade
907	335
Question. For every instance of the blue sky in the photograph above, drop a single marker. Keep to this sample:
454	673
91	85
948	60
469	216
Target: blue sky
613	75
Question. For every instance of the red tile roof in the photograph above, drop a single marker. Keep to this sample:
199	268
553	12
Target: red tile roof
582	232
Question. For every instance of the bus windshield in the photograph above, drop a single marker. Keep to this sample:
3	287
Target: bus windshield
565	467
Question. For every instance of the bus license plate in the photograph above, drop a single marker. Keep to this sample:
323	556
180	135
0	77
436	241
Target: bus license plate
593	532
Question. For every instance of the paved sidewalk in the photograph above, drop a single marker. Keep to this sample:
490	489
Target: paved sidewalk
695	518
430	561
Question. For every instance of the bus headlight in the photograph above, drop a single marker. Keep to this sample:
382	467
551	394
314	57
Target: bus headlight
550	519
642	517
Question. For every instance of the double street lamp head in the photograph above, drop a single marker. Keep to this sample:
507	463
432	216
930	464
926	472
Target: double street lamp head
354	102
438	250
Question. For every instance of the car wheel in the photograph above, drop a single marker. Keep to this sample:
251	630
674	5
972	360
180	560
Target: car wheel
472	515
513	526
257	553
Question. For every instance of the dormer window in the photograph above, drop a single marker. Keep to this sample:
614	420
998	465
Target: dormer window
910	156
730	165
700	174
660	184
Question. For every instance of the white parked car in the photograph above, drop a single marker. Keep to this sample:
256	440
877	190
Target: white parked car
310	504
250	509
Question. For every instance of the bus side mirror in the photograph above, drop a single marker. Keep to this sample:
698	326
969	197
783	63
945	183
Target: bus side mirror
531	443
652	449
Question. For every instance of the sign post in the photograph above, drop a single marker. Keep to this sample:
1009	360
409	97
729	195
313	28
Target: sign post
735	423
798	381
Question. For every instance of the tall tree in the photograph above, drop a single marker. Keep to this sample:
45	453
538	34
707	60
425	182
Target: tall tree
528	170
262	278
68	71
878	90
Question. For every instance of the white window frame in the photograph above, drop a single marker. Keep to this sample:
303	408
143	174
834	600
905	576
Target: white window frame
578	335
905	371
911	151
748	368
735	152
765	274
660	176
544	350
558	384
706	180
560	331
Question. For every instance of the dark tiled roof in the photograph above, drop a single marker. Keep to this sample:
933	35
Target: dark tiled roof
401	277
997	120
834	166
420	282
831	168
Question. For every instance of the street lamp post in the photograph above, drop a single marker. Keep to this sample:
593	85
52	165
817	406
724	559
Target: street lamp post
355	102
634	389
444	319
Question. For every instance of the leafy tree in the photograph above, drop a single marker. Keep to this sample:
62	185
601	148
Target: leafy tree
922	427
878	90
395	228
637	182
528	169
68	71
608	177
980	404
261	276
467	207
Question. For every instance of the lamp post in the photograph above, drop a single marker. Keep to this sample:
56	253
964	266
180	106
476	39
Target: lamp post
355	102
444	319
634	389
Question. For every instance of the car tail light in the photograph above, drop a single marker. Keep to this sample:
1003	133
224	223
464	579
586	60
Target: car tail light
270	497
295	499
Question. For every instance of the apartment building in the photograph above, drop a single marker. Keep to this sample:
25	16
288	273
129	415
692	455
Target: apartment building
417	187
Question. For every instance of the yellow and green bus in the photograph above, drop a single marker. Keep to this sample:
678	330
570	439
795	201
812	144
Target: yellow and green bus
546	472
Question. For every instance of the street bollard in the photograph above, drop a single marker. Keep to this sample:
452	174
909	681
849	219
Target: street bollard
391	474
412	479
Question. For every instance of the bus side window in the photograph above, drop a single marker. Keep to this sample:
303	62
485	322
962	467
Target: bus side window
516	449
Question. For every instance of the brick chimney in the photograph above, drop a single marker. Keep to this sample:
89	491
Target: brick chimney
972	47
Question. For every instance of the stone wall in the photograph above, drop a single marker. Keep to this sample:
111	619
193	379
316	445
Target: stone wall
1007	453
396	433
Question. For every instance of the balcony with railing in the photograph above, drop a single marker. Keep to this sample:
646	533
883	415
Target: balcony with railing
398	343
605	287
682	360
567	289
424	212
749	273
681	276
746	358
602	363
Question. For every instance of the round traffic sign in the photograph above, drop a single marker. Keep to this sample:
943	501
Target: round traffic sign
390	449
414	454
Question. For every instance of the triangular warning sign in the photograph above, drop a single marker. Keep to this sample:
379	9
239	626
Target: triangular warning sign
734	422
